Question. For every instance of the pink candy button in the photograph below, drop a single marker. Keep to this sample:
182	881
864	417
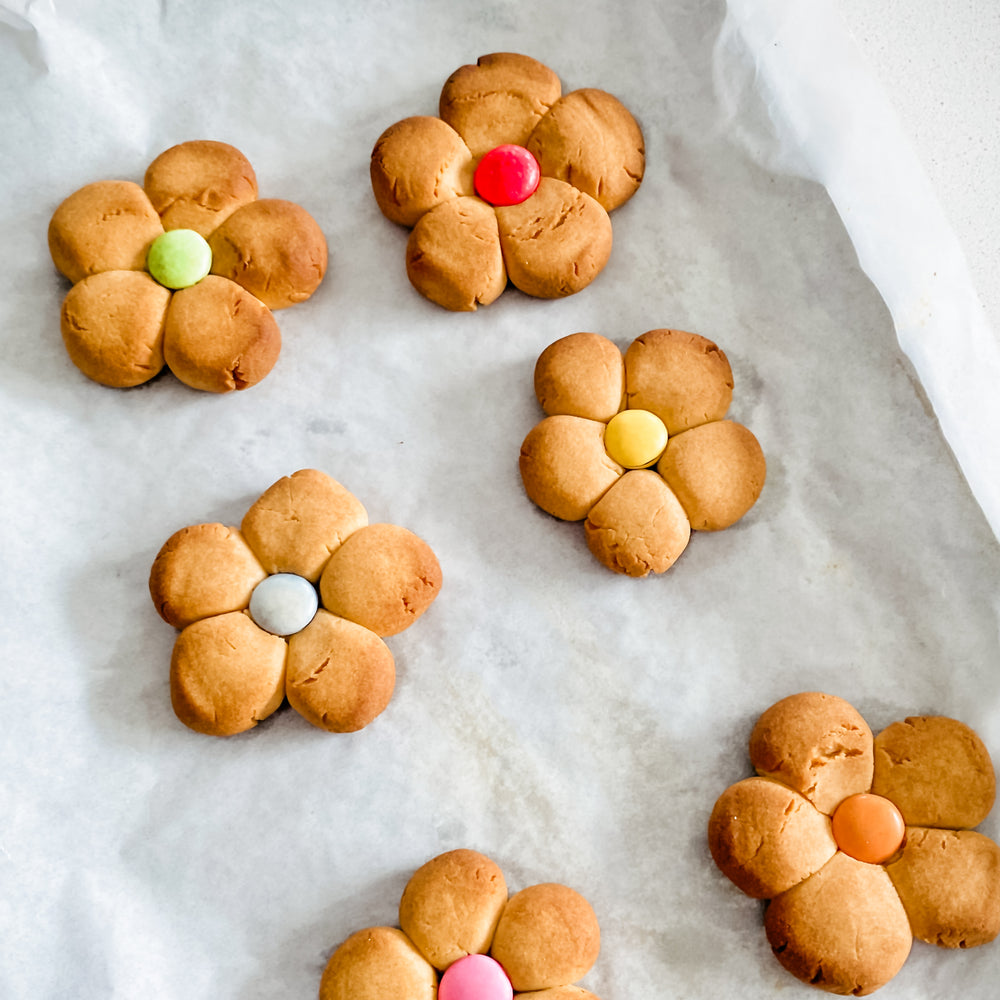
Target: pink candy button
507	175
475	977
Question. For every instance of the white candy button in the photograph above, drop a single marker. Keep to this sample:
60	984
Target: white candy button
283	604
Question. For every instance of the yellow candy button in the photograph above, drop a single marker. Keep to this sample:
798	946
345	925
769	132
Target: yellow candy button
635	438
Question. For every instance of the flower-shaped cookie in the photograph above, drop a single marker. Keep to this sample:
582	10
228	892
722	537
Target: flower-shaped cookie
861	844
254	628
611	418
463	939
513	181
183	271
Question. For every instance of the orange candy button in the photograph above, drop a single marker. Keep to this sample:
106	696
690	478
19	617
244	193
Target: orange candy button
868	828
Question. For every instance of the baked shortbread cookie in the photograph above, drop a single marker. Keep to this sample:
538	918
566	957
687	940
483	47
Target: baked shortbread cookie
611	419
914	762
817	744
456	917
513	181
547	936
375	964
183	271
623	536
850	879
451	906
255	626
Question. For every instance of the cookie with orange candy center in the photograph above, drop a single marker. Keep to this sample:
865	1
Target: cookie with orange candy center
861	843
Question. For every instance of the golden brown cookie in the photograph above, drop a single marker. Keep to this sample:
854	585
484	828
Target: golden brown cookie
914	762
274	249
453	255
299	521
683	378
379	963
105	226
638	526
416	164
499	100
112	325
383	577
556	242
949	882
558	993
590	140
340	675
817	744
451	906
765	837
219	337
201	571
547	936
226	675
199	184
716	470
564	467
860	951
582	375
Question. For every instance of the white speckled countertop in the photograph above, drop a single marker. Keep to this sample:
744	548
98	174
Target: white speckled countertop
574	725
939	61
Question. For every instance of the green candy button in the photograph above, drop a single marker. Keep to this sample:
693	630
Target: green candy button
179	258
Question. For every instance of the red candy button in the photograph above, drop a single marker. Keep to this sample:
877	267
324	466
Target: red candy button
507	175
868	828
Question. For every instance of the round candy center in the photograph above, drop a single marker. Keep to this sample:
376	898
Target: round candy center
868	828
507	175
283	604
179	258
475	977
635	438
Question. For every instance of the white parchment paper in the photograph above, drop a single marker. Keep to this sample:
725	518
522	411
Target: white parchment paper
574	725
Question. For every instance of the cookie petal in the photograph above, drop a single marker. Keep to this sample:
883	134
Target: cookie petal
274	249
556	242
203	571
682	377
548	935
582	375
105	226
297	523
559	993
383	577
499	100
638	526
817	744
112	325
590	140
377	963
340	675
842	929
219	337
226	675
416	164
453	255
949	882
564	467
451	906
716	470
766	838
936	770
198	185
